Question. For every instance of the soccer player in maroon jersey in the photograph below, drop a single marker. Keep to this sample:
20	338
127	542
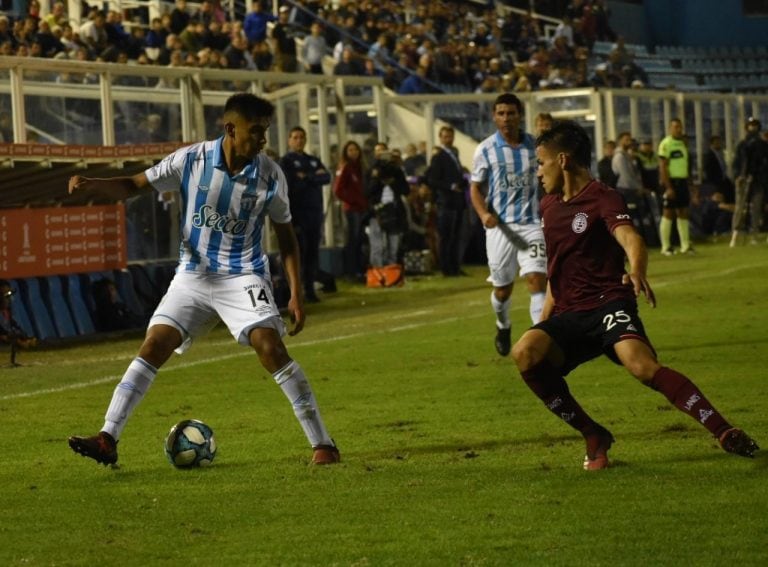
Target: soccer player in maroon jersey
591	305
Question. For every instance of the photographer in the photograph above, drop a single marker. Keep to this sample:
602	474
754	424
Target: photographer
385	190
11	332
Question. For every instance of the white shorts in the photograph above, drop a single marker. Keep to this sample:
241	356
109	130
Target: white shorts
505	259
195	302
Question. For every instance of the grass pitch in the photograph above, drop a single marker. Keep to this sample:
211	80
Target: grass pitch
448	459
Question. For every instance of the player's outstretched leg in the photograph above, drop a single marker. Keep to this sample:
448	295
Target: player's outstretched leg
128	393
296	388
102	448
687	397
503	339
548	384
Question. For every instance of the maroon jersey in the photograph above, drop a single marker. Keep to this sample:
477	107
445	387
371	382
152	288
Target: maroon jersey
585	263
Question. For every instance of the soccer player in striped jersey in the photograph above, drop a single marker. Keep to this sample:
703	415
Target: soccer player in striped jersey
591	305
227	188
504	195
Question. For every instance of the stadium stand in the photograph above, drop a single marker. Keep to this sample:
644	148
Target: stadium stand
53	296
472	51
20	313
39	315
80	312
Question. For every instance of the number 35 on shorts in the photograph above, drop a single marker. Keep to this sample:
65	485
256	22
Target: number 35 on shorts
537	250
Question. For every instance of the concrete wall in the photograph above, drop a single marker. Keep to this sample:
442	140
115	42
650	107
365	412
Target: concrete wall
702	23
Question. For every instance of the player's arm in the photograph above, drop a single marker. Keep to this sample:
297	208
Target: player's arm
116	188
664	178
637	256
289	253
322	175
488	219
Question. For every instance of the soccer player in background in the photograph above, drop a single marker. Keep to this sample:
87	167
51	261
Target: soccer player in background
227	188
591	305
509	211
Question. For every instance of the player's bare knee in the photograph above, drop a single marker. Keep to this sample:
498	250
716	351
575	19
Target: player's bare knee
502	293
272	353
524	355
643	370
158	347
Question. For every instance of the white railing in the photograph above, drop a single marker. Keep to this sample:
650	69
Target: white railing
324	106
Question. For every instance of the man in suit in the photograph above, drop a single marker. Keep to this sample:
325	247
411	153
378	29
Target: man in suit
446	179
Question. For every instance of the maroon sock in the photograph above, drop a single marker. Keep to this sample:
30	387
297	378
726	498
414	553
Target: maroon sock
548	384
686	397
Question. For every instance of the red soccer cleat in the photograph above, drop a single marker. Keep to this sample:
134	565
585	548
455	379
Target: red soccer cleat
102	448
598	444
325	455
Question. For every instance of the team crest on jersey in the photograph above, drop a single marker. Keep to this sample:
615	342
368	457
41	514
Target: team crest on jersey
579	223
248	203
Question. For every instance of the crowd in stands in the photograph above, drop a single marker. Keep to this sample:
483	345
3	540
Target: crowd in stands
414	45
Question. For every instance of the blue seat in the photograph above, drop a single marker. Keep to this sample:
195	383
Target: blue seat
124	283
36	307
80	312
148	292
54	297
19	312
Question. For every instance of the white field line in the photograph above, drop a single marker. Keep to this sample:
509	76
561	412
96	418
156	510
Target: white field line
244	352
78	385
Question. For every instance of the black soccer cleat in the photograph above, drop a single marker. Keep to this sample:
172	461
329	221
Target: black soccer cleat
503	341
739	443
102	448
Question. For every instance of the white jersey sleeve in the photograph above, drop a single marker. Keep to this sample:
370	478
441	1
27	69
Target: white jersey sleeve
167	174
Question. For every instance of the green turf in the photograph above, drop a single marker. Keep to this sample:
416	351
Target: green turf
448	459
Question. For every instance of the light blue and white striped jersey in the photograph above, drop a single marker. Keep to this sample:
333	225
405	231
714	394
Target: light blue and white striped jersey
510	173
222	216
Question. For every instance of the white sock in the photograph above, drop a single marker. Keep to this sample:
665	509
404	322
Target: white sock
128	393
537	306
501	308
665	233
684	230
296	388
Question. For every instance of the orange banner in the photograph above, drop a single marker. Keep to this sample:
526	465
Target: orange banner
63	240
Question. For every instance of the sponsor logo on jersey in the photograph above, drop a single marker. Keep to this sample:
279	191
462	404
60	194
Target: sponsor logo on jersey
579	223
207	217
623	217
515	181
202	188
691	401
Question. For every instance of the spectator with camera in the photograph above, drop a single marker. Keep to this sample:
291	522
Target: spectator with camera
11	332
385	189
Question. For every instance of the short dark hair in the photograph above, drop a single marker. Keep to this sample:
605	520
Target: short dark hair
249	106
568	137
298	129
508	98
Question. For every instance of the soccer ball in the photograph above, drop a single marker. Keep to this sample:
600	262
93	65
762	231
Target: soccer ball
190	443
